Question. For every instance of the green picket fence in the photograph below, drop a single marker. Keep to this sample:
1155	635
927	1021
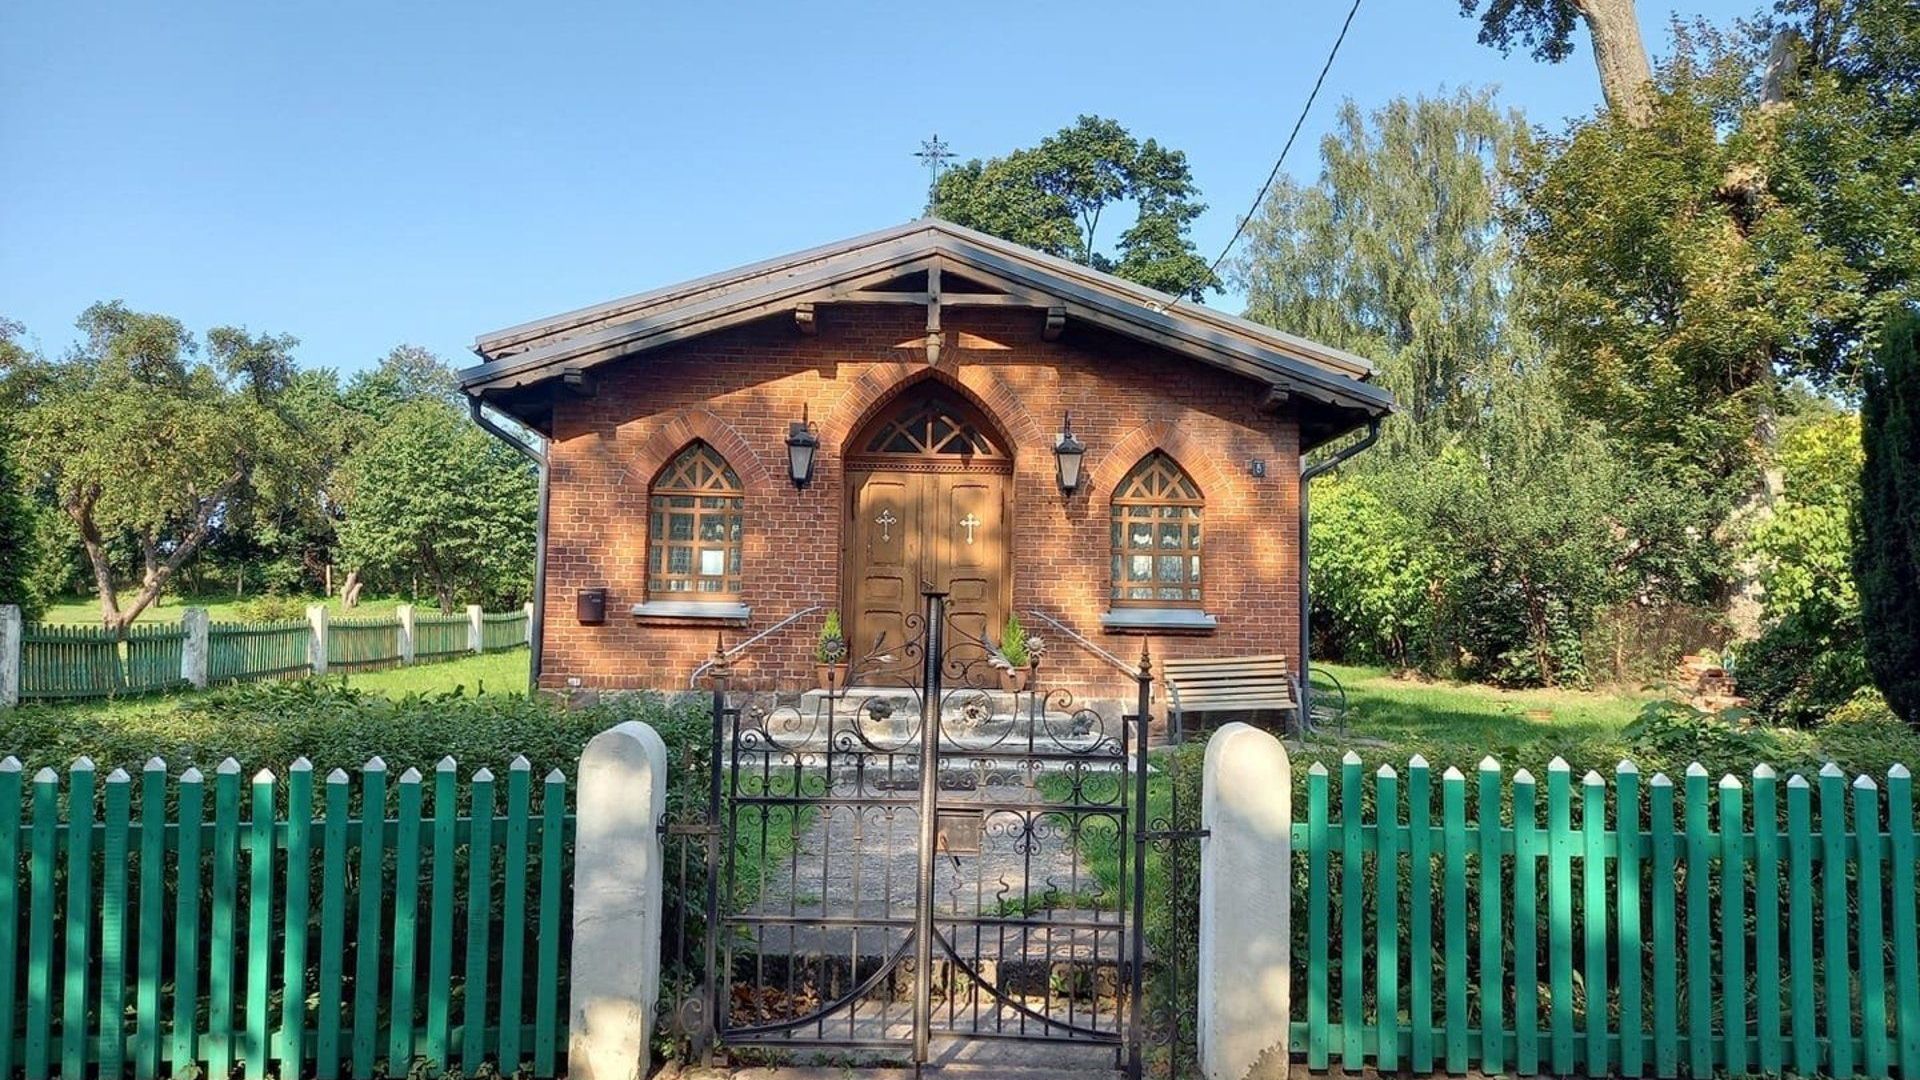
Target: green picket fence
239	651
1629	932
505	630
440	635
364	931
363	643
92	661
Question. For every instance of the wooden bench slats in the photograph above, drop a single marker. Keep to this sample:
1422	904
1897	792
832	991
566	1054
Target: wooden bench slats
1228	662
1235	683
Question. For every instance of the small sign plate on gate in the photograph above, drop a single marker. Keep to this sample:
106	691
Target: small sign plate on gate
958	832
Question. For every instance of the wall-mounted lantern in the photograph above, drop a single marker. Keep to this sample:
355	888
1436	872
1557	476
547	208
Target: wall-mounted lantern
803	446
1068	453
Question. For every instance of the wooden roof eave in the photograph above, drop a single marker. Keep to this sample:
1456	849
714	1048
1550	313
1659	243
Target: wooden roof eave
835	281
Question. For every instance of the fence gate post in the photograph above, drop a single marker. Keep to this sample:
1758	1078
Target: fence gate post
404	616
617	883
317	640
476	628
528	608
1246	906
11	629
193	651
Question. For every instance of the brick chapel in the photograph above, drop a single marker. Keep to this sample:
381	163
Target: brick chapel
922	409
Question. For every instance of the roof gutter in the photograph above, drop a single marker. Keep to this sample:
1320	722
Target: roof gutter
1306	591
536	453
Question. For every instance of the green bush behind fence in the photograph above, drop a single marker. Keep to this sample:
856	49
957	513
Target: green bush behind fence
381	926
1638	930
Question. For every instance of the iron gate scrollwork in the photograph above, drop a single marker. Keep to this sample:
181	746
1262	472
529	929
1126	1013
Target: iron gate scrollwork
911	861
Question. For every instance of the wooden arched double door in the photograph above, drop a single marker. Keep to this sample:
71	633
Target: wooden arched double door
929	503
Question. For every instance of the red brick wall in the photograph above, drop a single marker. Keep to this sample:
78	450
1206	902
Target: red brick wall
739	389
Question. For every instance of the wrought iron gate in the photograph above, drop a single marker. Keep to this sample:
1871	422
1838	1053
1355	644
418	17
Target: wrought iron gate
891	865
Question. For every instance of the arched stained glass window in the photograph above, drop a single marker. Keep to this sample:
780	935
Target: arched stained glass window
1156	536
694	528
934	425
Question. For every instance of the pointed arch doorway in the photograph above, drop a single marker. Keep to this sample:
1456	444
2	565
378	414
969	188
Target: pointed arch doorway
929	503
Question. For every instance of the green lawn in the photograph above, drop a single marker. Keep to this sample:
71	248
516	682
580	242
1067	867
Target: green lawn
222	607
491	673
1459	723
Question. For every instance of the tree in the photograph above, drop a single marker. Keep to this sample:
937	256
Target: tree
1052	197
20	545
1399	253
1886	546
430	493
1545	27
134	436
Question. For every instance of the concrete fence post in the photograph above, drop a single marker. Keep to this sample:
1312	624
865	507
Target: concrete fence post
528	608
476	628
12	627
317	639
617	885
194	654
1246	906
404	616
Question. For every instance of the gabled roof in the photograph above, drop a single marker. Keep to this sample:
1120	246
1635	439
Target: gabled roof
517	359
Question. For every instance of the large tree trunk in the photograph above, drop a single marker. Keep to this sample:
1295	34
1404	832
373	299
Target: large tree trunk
1626	77
80	509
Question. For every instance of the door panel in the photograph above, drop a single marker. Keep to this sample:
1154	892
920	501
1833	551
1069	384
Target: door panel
886	528
944	529
972	560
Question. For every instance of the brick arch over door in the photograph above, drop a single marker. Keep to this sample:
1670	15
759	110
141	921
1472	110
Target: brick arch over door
688	426
877	388
1200	462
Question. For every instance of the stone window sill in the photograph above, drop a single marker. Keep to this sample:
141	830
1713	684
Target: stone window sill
693	611
1148	618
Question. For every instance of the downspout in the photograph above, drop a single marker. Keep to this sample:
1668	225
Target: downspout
536	630
1306	591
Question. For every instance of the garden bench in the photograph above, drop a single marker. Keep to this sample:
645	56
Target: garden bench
1229	684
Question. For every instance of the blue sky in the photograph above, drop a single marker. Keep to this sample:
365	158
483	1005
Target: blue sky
363	174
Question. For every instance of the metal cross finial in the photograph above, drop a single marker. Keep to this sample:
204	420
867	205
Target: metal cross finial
934	154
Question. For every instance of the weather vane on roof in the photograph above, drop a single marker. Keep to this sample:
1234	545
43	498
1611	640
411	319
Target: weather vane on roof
934	154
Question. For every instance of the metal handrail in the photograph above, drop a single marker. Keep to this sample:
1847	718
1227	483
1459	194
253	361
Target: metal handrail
1096	650
693	681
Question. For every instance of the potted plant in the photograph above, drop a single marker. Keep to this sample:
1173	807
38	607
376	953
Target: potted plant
830	654
1014	660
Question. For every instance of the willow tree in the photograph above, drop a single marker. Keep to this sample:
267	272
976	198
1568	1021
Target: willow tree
1398	252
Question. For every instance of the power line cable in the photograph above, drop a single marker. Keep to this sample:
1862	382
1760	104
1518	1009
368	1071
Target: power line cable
1213	271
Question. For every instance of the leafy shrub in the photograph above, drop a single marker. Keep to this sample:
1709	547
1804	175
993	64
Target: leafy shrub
334	725
1866	706
1372	577
1670	735
1808	661
273	607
